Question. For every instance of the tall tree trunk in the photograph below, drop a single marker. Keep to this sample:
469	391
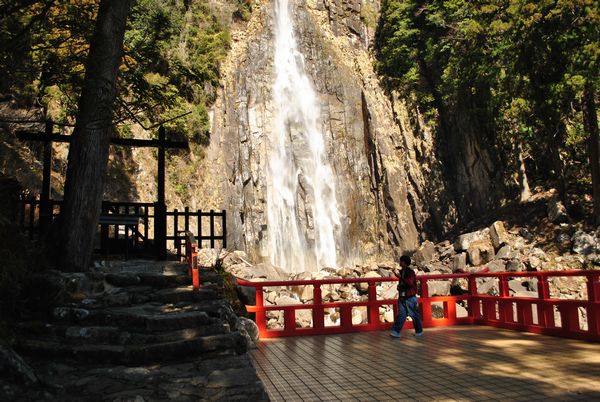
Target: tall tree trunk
522	173
88	153
590	122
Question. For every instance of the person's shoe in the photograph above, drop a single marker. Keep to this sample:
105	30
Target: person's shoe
395	334
418	334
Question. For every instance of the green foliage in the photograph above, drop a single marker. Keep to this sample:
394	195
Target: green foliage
173	51
519	65
243	10
195	125
368	14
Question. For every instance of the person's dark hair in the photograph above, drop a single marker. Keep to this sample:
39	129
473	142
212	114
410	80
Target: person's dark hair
405	259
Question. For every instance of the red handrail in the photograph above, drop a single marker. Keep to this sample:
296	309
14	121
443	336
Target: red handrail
191	257
520	313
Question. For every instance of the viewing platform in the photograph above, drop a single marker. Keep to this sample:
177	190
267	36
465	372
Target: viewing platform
446	364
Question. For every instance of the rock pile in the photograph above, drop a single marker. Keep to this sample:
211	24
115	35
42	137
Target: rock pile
493	249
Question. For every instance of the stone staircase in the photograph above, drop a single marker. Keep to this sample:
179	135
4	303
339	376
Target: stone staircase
134	322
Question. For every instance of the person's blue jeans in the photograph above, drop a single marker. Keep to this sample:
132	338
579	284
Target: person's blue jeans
408	307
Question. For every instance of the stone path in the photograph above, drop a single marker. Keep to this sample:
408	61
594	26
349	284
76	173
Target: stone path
447	364
138	332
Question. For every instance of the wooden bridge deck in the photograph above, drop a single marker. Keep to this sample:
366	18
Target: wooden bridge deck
446	364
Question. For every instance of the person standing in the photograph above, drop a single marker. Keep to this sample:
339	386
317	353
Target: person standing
407	299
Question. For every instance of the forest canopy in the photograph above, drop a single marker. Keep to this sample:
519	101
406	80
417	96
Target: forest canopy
528	69
173	50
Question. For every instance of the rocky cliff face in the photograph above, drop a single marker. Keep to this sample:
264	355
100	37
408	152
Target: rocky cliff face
390	186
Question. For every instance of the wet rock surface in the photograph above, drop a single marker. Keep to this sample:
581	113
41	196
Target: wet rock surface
138	334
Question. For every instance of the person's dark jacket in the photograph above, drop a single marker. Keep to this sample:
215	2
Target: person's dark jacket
407	283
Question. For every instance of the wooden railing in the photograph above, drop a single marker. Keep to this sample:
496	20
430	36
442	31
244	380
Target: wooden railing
181	221
531	314
209	228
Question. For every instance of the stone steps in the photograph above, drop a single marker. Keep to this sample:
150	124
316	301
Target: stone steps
210	346
157	280
79	335
124	296
134	318
153	316
143	334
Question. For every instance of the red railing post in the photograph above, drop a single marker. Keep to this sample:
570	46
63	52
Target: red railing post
346	317
188	254
289	321
545	311
195	269
426	315
191	256
260	318
473	306
373	307
503	303
593	309
318	310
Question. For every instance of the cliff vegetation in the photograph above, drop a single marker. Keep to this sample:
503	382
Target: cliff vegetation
519	77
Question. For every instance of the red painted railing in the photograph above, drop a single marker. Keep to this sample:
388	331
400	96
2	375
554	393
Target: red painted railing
531	314
191	258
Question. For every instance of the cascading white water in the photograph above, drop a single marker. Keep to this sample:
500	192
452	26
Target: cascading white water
297	161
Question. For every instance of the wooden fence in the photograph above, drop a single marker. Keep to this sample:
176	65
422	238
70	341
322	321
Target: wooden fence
131	226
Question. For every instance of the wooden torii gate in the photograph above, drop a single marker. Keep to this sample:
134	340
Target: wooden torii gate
160	208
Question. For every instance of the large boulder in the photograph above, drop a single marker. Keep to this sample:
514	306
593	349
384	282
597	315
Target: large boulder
248	329
459	262
480	252
557	212
364	286
506	253
437	268
286	300
514	265
525	293
516	285
463	242
584	243
268	271
496	266
347	273
359	316
461	311
564	243
387	291
388	316
304	318
488	287
498	235
208	257
438	288
425	253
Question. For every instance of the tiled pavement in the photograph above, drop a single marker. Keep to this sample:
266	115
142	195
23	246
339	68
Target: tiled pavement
446	364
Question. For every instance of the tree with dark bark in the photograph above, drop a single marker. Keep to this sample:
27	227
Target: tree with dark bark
590	116
88	153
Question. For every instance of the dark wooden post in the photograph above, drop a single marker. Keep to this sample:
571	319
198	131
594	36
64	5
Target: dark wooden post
212	228
45	205
224	229
160	211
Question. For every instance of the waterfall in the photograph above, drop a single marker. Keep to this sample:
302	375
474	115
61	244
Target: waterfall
300	184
